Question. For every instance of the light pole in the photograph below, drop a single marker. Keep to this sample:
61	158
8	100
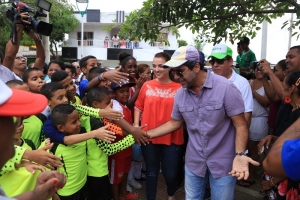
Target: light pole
83	7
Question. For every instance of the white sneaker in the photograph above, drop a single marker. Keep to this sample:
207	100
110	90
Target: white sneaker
134	184
128	188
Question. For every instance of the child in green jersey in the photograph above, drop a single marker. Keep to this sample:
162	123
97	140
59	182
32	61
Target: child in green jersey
98	181
23	178
66	119
32	124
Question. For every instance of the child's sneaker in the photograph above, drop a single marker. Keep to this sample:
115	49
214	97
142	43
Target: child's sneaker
134	183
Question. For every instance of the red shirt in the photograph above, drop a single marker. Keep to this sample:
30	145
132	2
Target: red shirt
155	101
128	151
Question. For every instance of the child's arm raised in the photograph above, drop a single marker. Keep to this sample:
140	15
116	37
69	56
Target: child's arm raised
108	112
111	149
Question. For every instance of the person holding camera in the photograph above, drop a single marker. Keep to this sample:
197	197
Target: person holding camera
15	61
20	62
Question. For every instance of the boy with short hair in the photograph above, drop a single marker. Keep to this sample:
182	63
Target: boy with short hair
34	78
120	163
94	80
63	78
65	119
17	84
86	64
248	55
98	181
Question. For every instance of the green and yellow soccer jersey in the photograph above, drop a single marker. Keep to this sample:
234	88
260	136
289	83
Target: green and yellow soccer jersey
74	166
10	164
247	59
32	129
98	150
18	181
85	110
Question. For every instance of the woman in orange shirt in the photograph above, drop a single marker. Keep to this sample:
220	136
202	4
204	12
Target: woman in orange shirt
155	103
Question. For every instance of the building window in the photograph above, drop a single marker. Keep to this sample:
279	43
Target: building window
88	38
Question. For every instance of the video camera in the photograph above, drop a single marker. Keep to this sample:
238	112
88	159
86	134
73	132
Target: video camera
36	25
255	65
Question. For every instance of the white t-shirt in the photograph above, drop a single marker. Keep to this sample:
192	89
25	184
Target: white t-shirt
244	87
116	106
115	40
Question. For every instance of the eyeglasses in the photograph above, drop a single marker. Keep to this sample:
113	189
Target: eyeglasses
20	57
219	61
178	73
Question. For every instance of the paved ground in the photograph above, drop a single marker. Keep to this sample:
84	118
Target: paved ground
241	193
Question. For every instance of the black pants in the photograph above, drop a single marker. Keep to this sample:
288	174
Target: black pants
99	188
80	195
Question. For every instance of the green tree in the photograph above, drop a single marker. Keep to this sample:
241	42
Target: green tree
63	20
182	43
212	20
61	16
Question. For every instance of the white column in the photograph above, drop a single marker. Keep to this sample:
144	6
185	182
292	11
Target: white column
290	32
45	40
264	40
82	36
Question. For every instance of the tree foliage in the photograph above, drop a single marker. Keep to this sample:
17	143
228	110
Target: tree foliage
182	43
61	16
213	20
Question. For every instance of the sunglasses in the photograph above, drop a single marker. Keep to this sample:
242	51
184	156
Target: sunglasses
178	73
219	61
21	57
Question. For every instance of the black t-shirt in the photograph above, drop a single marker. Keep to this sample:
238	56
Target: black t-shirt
283	118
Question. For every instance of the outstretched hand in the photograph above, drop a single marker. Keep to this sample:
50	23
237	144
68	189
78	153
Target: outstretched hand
105	135
110	114
240	167
42	157
31	167
139	135
116	76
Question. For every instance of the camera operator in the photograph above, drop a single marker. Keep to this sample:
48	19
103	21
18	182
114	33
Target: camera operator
15	61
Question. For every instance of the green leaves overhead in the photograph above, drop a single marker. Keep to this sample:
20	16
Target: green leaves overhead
213	20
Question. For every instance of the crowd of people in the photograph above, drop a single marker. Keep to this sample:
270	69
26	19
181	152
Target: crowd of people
75	131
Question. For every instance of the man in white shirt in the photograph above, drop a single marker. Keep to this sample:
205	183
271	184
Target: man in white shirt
221	62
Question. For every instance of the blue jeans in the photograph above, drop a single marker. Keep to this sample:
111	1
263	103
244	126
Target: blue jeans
168	156
221	188
137	154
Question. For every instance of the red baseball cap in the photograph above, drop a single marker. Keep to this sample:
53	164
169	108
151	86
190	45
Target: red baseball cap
19	103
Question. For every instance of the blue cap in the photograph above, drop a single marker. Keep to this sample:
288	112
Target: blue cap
114	86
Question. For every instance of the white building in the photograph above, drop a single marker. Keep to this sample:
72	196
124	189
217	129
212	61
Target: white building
94	22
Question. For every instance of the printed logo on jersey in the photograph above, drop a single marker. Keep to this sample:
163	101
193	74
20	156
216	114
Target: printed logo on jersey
158	92
120	175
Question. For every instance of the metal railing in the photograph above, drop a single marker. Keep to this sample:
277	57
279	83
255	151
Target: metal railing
100	44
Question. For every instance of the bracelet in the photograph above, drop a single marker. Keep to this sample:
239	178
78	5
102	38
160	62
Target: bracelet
240	154
100	78
103	76
271	180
